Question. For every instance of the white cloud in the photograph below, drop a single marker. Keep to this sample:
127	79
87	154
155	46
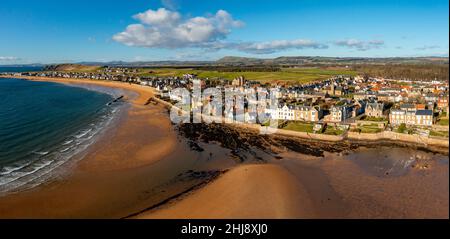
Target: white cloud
360	45
427	47
278	45
9	58
166	29
160	17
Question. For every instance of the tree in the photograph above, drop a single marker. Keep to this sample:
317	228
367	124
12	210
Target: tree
401	128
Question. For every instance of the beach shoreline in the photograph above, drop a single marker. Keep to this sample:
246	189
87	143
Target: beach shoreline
146	93
104	161
123	154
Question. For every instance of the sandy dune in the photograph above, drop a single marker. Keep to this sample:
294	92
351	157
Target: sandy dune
248	191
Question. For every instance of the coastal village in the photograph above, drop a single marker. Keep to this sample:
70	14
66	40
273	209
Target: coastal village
335	106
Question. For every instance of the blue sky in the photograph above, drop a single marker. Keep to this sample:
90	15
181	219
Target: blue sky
48	31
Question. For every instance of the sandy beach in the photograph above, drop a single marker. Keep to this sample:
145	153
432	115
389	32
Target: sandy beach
143	168
247	191
134	167
116	172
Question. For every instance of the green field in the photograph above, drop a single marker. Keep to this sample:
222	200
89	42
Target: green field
289	75
371	118
443	122
286	75
299	126
330	130
77	68
439	133
370	129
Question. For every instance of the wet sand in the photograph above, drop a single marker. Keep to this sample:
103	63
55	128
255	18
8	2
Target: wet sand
140	161
333	186
247	191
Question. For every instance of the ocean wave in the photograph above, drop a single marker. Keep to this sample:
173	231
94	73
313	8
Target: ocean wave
40	153
15	175
33	172
64	150
67	142
8	170
83	133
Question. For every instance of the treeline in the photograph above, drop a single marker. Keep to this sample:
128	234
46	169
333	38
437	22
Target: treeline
425	72
240	68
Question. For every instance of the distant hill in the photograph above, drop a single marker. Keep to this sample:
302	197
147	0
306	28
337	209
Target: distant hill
314	60
237	59
72	67
248	61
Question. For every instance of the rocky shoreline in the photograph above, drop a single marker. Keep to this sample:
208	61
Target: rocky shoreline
239	139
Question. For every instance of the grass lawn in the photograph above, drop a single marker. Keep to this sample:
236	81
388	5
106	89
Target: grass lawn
267	123
333	131
299	126
370	129
439	133
289	75
371	118
443	122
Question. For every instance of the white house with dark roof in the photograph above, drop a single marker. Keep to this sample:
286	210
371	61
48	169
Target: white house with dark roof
424	117
411	117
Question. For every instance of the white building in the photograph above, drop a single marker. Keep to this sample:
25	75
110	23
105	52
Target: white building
411	117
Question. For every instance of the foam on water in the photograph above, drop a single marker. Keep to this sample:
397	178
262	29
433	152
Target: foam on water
39	164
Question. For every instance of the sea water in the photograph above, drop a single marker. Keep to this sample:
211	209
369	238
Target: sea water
43	125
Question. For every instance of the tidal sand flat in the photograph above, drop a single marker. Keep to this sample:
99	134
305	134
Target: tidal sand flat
333	186
247	191
339	181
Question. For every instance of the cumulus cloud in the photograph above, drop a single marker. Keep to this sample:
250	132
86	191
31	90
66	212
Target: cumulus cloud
360	45
166	29
426	47
9	58
160	17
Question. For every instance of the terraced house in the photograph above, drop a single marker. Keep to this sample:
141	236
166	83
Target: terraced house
307	113
296	113
411	117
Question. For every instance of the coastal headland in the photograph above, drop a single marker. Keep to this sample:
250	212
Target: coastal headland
146	167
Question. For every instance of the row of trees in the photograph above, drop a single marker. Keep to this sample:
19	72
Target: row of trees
411	71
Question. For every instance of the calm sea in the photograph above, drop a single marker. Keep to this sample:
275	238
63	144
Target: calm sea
42	125
20	68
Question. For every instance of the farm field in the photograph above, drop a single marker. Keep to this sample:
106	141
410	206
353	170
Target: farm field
286	75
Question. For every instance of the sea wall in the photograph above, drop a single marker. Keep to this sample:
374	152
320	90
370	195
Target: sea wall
440	127
394	136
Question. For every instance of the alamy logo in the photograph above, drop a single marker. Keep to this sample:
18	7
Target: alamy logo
229	105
